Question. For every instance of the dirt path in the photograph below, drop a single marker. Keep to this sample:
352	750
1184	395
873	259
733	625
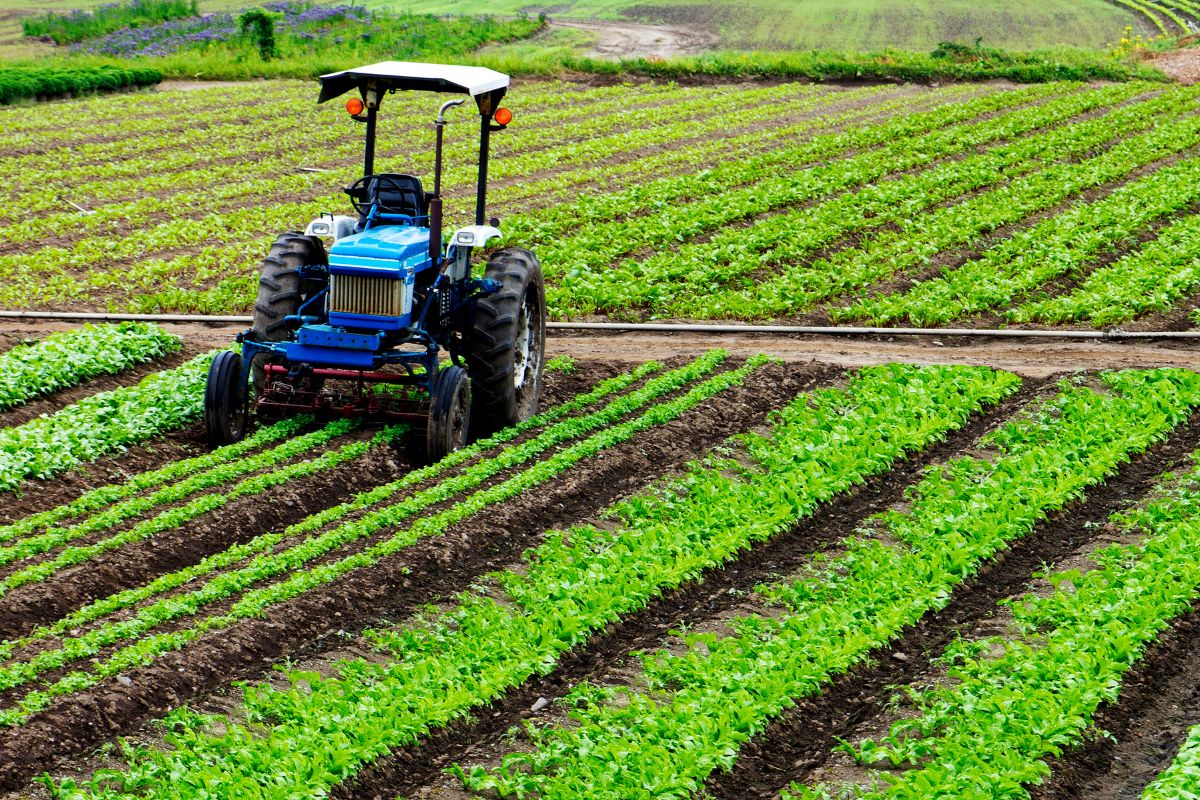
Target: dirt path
616	39
1031	357
1182	65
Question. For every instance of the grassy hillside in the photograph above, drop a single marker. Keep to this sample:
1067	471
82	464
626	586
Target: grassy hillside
842	24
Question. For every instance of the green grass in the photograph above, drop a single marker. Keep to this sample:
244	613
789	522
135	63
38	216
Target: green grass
841	24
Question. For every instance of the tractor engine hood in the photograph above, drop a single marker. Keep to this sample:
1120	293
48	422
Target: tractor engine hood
371	277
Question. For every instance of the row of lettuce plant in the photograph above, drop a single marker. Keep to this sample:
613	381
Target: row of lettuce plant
1058	247
1155	277
144	206
271	464
915	241
688	275
321	730
292	568
234	226
247	222
117	156
701	706
716	202
1010	703
143	210
103	423
694	147
217	287
65	359
130	598
100	498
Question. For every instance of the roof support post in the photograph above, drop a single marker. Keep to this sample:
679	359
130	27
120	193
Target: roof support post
485	134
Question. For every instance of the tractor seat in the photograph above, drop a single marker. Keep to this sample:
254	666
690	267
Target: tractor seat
401	194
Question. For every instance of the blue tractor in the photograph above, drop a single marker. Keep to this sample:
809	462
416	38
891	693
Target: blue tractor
360	328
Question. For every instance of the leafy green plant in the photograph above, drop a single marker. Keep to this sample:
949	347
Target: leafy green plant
65	359
703	704
569	587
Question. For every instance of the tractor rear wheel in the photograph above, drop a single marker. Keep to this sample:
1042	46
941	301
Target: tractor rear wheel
449	414
506	346
281	292
225	400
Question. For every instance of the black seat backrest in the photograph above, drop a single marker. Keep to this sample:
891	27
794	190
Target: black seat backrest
399	194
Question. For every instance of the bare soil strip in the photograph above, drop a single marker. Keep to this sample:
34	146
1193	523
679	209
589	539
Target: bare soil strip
427	571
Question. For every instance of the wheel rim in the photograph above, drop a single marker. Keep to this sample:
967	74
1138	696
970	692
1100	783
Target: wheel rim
521	350
459	415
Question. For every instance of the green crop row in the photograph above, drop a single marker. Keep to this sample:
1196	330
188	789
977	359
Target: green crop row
570	587
240	552
917	240
1179	781
702	705
1155	277
219	477
683	280
292	564
1057	247
1011	703
97	499
103	423
597	229
293	116
26	83
530	151
65	359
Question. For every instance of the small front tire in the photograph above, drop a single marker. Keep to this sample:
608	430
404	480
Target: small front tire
225	412
449	414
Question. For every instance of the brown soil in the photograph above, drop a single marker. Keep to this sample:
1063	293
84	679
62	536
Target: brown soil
1182	65
622	39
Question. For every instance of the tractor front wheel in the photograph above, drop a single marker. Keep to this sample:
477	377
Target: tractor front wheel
225	400
506	347
449	414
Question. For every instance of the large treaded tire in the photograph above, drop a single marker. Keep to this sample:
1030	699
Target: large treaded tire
281	291
506	346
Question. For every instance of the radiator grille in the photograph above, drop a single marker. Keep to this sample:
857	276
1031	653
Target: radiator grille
356	294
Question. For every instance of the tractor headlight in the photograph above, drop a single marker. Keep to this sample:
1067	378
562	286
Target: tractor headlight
321	229
465	238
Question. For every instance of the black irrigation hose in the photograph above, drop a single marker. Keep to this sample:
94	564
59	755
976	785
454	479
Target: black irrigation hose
1113	334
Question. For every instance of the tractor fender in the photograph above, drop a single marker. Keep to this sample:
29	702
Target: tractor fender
474	236
458	252
332	227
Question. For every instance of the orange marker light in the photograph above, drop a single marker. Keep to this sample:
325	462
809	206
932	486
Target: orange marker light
503	116
354	106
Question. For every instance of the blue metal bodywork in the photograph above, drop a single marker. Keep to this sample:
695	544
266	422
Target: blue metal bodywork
339	340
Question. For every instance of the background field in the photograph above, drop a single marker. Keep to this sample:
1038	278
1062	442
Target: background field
857	25
969	204
770	24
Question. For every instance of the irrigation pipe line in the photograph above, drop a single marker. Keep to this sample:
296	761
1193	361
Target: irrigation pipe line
1114	334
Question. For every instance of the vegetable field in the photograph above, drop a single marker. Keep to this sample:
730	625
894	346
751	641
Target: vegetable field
967	205
711	576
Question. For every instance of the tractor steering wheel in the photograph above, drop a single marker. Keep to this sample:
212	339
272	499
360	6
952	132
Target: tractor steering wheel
361	195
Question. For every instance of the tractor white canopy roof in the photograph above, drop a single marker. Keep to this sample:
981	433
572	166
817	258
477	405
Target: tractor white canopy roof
412	75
